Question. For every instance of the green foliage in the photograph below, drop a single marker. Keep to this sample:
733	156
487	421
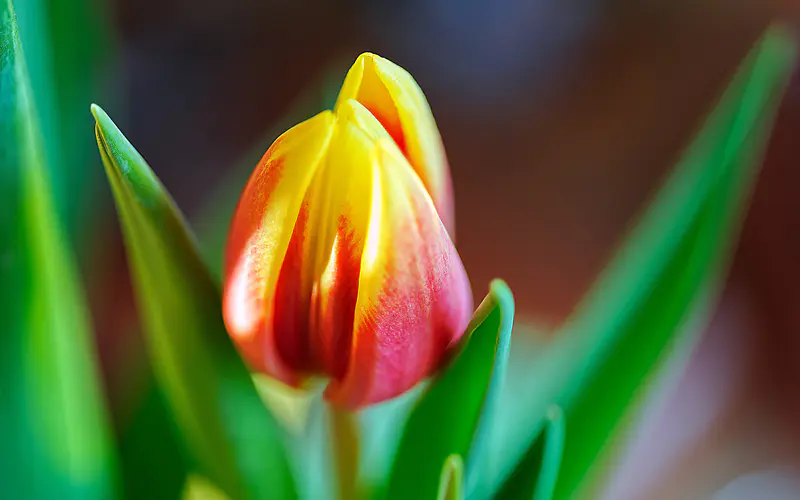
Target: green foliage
227	430
536	474
153	464
67	44
455	412
206	414
53	426
602	359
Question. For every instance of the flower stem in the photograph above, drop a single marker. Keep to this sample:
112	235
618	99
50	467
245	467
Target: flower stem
344	433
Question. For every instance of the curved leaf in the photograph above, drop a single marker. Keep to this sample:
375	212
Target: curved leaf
615	342
453	415
53	424
233	438
603	398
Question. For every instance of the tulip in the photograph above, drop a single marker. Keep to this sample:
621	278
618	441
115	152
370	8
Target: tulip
338	263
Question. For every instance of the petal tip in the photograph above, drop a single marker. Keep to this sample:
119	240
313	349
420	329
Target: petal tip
365	56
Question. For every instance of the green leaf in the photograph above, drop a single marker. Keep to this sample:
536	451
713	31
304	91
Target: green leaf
536	474
153	464
227	430
53	423
603	398
67	45
454	413
451	482
600	363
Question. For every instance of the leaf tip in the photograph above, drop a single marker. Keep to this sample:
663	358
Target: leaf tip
502	296
123	161
104	124
97	111
502	293
452	477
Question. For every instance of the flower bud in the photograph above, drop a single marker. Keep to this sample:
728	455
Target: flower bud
339	265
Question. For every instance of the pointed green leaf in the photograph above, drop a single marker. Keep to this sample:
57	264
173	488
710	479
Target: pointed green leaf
454	413
226	428
631	320
53	424
536	474
603	399
451	481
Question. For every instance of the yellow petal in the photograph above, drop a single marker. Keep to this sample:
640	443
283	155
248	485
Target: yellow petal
322	269
414	298
390	93
260	232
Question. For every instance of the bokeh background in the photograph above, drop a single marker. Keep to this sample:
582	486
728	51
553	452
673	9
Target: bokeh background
560	119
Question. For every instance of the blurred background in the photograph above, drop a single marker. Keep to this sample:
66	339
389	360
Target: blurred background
560	119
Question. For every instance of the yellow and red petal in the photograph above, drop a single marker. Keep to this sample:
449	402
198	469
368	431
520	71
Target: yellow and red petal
392	95
261	230
414	298
323	264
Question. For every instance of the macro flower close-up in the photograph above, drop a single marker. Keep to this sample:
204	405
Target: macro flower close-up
532	251
338	262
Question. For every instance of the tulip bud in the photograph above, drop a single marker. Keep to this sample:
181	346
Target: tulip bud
390	93
338	263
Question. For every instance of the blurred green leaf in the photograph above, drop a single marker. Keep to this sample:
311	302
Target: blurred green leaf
536	474
228	431
454	412
603	398
597	367
153	464
53	423
451	481
153	461
67	45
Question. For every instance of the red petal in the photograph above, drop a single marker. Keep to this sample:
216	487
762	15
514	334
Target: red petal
414	297
261	229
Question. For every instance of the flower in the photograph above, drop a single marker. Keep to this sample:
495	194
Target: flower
338	263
